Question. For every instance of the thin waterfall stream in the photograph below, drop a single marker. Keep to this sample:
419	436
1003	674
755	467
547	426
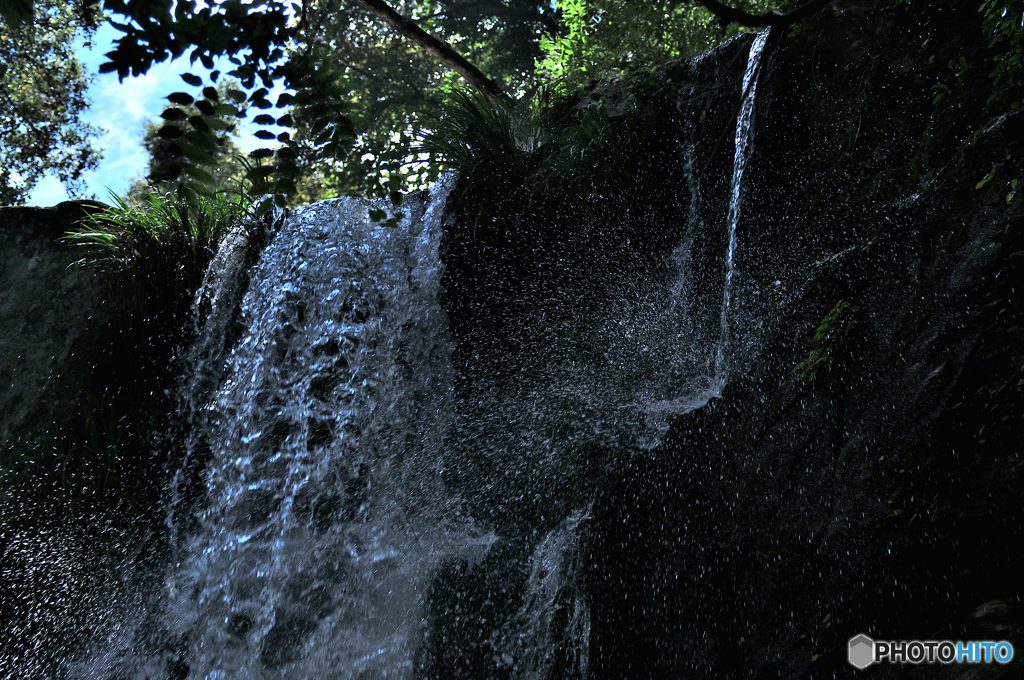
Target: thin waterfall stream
744	145
699	389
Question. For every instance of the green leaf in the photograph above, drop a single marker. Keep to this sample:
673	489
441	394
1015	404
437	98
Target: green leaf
287	186
265	206
259	172
264	134
985	180
205	107
202	189
194	81
173	114
226	110
198	155
222	125
264	119
170	132
237	95
211	94
180	98
261	153
198	173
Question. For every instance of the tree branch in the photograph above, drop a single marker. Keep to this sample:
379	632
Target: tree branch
730	15
438	48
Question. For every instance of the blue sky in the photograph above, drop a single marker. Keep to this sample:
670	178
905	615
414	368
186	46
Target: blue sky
119	110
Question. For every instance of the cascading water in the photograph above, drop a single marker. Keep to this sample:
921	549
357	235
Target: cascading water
744	145
710	378
555	612
326	518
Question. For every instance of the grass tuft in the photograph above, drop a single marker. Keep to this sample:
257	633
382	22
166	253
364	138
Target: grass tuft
156	245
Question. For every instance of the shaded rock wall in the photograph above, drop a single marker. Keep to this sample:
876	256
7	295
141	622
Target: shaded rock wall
800	510
839	485
52	316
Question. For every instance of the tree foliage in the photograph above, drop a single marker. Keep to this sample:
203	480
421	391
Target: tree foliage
226	168
609	38
43	90
359	91
1004	22
393	85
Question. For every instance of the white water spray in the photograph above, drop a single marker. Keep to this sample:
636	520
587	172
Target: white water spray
325	519
555	611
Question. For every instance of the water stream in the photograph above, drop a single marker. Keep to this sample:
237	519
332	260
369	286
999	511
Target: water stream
744	145
701	386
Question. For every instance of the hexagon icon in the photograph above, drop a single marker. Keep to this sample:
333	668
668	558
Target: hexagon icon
862	651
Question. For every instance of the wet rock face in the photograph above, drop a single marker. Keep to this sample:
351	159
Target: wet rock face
837	484
802	509
50	318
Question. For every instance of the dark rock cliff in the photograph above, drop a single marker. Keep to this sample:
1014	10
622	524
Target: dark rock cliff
51	315
843	482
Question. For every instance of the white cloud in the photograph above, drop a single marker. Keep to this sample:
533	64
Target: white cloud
49	191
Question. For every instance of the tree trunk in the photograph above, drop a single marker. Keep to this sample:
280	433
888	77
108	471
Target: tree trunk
437	48
730	15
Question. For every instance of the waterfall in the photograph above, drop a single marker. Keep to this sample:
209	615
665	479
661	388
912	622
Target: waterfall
702	359
325	518
744	145
671	430
555	615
